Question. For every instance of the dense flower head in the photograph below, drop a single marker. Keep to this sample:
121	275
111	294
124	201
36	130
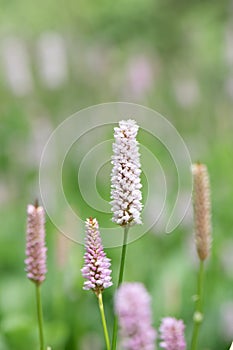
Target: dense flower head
96	268
35	244
132	306
172	334
125	178
202	209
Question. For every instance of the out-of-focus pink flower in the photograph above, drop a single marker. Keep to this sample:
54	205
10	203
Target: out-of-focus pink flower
132	306
172	334
17	66
140	76
52	59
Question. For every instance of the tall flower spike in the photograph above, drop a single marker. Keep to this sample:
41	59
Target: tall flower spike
172	334
96	268
202	210
125	189
35	244
132	306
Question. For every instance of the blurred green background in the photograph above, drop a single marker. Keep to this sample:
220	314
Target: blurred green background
59	57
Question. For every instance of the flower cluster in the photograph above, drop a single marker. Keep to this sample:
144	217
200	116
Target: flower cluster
132	303
96	268
125	178
172	334
202	210
35	244
132	306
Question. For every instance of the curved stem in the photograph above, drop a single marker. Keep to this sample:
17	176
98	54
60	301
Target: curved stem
39	316
120	279
198	315
101	307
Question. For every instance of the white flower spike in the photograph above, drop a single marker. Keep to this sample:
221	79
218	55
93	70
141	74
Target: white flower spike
125	178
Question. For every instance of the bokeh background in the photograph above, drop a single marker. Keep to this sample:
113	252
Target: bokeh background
59	57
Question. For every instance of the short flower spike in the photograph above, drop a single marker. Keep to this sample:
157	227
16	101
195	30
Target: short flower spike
96	268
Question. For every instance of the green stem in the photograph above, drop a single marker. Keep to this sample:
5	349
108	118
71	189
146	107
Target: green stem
39	316
198	315
101	307
120	279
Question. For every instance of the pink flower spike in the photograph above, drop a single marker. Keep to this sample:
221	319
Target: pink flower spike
35	244
96	268
172	334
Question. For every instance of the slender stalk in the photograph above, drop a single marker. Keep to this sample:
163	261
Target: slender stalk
198	315
101	307
123	255
39	316
120	279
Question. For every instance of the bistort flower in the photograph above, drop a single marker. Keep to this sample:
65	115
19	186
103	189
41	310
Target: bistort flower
202	210
132	306
172	334
125	178
96	268
35	244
